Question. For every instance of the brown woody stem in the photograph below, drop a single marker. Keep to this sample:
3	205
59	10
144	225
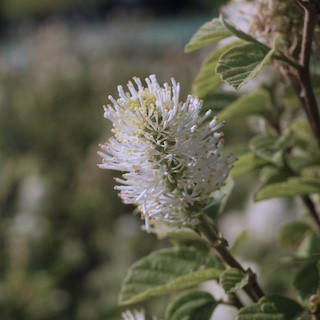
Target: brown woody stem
214	240
302	73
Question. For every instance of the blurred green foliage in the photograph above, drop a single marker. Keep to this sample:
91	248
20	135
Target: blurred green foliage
66	240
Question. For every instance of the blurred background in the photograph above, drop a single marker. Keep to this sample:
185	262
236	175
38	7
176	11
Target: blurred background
66	240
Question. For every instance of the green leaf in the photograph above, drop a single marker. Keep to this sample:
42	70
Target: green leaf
242	63
239	242
292	234
191	305
220	198
218	100
164	229
297	163
233	280
207	78
289	188
246	163
271	308
306	281
167	270
270	174
239	33
209	33
309	247
304	137
267	148
252	103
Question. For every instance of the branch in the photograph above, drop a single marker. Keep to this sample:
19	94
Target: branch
302	74
313	212
208	230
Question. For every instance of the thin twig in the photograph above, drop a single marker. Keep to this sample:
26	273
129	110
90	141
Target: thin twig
207	229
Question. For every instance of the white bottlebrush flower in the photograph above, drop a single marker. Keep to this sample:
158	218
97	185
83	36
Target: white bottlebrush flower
133	315
169	152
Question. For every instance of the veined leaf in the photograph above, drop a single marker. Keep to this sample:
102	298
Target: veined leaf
233	280
246	163
242	63
191	305
289	188
252	103
207	78
167	270
271	308
292	234
209	33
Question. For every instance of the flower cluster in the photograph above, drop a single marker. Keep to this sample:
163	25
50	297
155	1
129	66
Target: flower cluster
169	153
265	20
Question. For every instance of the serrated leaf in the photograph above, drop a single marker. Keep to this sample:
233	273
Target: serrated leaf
237	32
292	234
242	63
289	188
167	270
247	162
252	103
233	280
306	281
191	305
271	308
209	33
207	78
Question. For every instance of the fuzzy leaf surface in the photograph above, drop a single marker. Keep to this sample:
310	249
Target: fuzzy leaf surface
242	63
167	270
191	305
207	79
209	33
